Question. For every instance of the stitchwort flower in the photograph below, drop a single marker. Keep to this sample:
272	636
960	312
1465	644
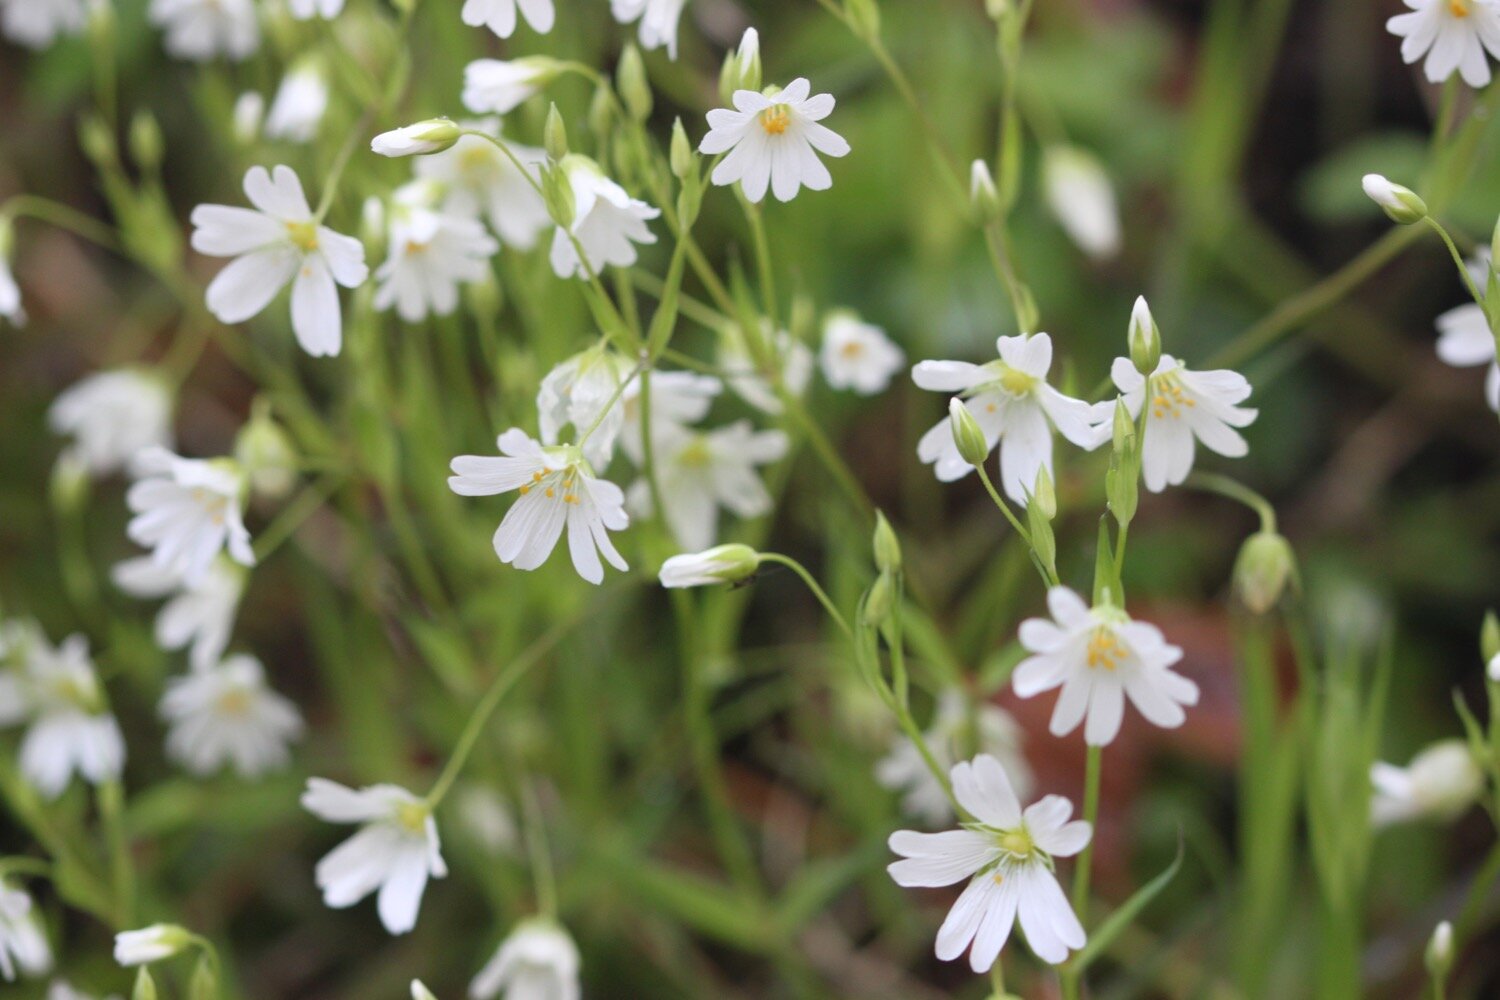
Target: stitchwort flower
773	140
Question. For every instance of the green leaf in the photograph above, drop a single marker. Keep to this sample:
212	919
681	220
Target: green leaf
1126	913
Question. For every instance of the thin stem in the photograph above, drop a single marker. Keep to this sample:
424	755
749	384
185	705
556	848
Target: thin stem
1084	870
536	848
762	258
1458	259
64	217
813	585
111	800
1212	482
1049	576
291	517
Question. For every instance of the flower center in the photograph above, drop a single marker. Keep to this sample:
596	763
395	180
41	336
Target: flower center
304	235
412	817
1460	8
554	484
852	350
695	454
1017	842
1104	649
213	504
235	702
776	119
1170	397
76	691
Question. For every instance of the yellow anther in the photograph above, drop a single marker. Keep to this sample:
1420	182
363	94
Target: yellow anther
536	477
569	498
776	119
1460	8
235	701
524	490
853	349
303	234
551	493
1104	650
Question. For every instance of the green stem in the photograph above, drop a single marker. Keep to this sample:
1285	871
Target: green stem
1049	576
541	858
1213	482
111	801
762	259
1458	259
294	514
1071	976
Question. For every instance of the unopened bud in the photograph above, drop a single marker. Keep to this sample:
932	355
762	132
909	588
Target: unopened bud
733	563
150	944
205	982
1144	338
879	601
249	112
1122	430
1265	566
431	136
967	434
146	143
982	193
886	545
145	986
1440	950
97	141
634	87
420	992
747	61
266	454
1402	204
729	79
1044	496
557	191
555	135
681	153
864	18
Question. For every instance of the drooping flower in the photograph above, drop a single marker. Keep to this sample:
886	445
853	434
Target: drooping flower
1015	409
23	946
1079	193
479	178
36	24
956	728
200	616
677	399
1007	855
1452	34
299	105
1439	784
659	19
858	355
577	392
1185	405
395	851
423	138
306	9
697	473
226	715
731	563
432	252
499	86
150	944
500	15
538	961
773	140
276	243
1464	336
607	222
750	373
557	488
1099	657
113	416
69	727
187	511
205	29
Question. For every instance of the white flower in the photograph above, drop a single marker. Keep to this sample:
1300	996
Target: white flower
1185	405
419	991
576	392
607	222
200	615
556	488
10	292
771	140
69	726
658	21
150	944
1009	854
422	138
480	178
395	850
955	729
1014	407
1401	204
745	376
1492	669
203	29
538	961
277	243
431	253
112	416
721	564
61	989
858	355
500	85
487	817
1439	784
500	15
697	473
187	510
1099	657
249	112
1453	34
677	399
1079	193
1465	338
299	105
305	9
23	946
36	24
226	715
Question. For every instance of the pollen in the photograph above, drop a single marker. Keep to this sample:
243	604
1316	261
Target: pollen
571	498
1104	650
235	701
524	490
550	493
776	119
1171	398
853	349
303	234
1460	8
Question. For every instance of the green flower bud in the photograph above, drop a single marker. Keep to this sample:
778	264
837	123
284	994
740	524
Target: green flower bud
632	83
267	454
681	156
1265	565
886	545
1144	338
205	982
967	434
878	603
421	139
145	986
1401	204
1044	495
747	61
420	992
729	79
557	191
555	135
69	486
97	142
864	18
601	112
1123	428
732	563
146	143
1439	955
1043	541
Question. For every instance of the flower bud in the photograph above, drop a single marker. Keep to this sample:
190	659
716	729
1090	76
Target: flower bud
733	563
967	434
1144	338
69	486
982	193
1439	784
1265	565
372	231
146	143
1400	203
1044	495
886	545
145	986
555	135
1440	951
1043	540
878	602
863	17
205	982
249	112
267	454
150	944
420	992
1122	431
431	136
1489	637
557	192
747	61
97	142
681	153
631	81
1079	193
1495	247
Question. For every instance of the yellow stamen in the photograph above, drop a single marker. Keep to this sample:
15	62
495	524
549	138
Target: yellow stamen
235	701
1104	650
776	119
304	234
1460	8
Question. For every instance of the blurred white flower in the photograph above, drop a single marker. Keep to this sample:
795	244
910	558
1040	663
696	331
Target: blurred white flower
1014	407
479	178
720	564
658	21
1099	657
277	243
485	814
225	714
422	138
858	355
538	961
1452	34
10	292
112	416
677	399
201	615
36	24
750	382
188	510
607	222
61	989
419	991
299	105
1185	405
500	15
1401	204
773	140
431	253
955	730
1079	193
501	85
1009	854
698	473
23	946
249	112
1464	336
150	944
1439	784
69	728
306	9
395	851
204	29
556	489
576	392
